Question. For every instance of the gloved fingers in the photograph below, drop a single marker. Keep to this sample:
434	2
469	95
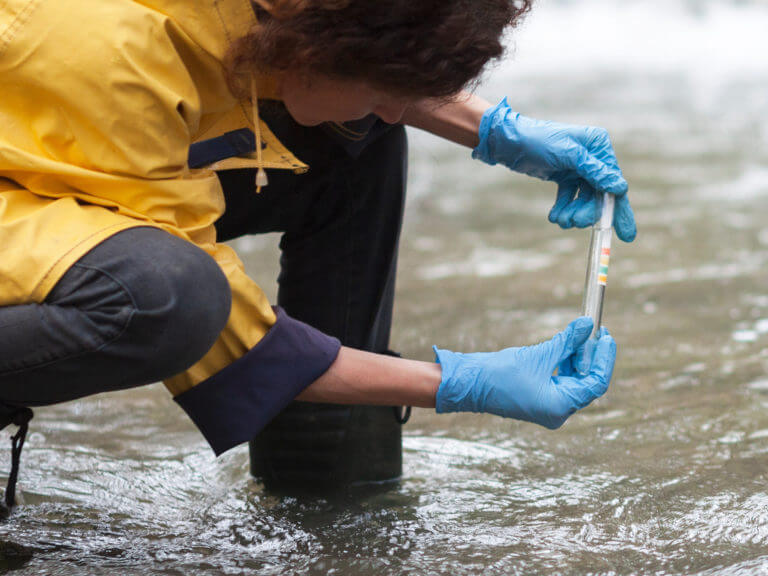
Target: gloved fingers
566	367
624	219
566	217
603	361
566	192
601	176
582	359
565	343
576	393
582	390
602	147
589	210
574	365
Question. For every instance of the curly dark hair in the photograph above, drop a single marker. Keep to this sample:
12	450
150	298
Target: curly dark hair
420	48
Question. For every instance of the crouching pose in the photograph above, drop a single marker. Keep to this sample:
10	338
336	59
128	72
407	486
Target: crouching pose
135	137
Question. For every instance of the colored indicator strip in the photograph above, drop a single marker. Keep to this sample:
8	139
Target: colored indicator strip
605	258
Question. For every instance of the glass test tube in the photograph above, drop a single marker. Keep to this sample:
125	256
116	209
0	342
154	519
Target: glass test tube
597	273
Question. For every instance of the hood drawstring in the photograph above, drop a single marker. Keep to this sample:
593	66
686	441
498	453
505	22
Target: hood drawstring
20	418
261	174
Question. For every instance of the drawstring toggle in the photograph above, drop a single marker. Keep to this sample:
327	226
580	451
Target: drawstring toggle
261	179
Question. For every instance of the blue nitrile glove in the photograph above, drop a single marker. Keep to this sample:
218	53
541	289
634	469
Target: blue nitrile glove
518	382
580	159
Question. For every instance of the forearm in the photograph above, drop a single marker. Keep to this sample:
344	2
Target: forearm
457	121
358	377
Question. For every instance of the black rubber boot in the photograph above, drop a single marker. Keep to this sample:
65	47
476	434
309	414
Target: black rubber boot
320	448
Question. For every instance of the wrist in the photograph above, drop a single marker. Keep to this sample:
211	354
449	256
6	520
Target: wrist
496	118
458	374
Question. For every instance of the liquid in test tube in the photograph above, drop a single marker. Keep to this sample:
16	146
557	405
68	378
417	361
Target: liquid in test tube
597	276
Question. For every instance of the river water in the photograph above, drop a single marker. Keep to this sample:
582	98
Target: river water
668	474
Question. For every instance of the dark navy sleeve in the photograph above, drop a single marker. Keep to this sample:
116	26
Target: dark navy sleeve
234	143
234	405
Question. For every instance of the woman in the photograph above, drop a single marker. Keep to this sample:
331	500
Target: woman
112	275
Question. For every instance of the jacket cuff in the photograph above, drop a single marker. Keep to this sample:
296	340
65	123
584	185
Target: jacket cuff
235	404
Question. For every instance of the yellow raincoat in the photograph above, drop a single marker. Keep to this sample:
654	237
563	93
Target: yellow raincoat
99	102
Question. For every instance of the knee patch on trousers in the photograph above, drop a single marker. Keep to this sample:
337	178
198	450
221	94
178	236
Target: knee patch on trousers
180	297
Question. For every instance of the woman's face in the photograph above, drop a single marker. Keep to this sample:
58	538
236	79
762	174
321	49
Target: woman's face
314	99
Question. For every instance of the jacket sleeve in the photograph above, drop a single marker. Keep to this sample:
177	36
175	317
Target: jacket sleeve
235	404
262	360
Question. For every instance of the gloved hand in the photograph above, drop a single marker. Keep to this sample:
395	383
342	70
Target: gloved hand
580	159
518	382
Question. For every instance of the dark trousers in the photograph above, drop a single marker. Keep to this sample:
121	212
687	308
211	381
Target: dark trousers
121	316
141	306
341	225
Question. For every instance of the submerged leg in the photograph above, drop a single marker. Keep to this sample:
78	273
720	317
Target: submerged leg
341	223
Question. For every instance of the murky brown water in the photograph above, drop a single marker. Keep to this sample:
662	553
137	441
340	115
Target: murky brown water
667	474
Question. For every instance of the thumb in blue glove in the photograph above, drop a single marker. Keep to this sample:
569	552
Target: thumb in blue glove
580	159
519	382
